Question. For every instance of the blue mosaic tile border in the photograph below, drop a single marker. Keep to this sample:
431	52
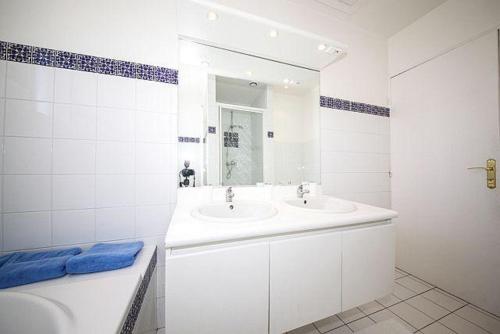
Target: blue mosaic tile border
334	103
189	140
133	313
79	62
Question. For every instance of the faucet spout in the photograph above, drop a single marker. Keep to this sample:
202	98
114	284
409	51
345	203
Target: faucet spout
229	194
301	190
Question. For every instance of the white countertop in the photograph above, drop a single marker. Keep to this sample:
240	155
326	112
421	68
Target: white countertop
99	302
187	231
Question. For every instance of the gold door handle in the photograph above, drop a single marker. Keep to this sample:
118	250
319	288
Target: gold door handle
491	172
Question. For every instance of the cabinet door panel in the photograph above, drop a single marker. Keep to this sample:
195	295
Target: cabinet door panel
368	256
305	280
222	291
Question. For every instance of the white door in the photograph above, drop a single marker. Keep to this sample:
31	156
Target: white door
305	280
368	256
444	119
222	291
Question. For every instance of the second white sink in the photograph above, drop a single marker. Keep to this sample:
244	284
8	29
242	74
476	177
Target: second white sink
322	204
235	212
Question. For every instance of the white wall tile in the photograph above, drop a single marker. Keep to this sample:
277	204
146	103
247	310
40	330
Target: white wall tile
3	69
72	227
75	121
152	220
26	193
75	87
332	162
115	124
26	230
153	127
2	115
115	190
27	155
153	189
154	158
115	92
28	118
355	182
153	96
115	223
74	156
72	192
115	158
25	81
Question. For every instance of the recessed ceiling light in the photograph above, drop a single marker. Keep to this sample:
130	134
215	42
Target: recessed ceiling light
249	73
321	47
273	33
253	84
286	81
205	63
212	16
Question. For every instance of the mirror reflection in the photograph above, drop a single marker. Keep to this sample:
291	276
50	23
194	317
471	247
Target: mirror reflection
257	119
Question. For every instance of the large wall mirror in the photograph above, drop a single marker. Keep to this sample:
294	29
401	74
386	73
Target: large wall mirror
246	119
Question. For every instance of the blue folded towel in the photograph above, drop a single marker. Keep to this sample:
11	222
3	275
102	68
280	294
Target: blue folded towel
104	257
29	267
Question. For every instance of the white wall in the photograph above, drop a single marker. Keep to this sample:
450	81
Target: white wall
449	25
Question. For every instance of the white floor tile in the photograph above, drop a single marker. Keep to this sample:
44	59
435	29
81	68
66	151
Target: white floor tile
328	324
390	326
480	318
430	308
411	315
436	328
308	329
386	315
341	330
460	325
389	300
361	323
371	307
414	284
402	292
444	299
351	315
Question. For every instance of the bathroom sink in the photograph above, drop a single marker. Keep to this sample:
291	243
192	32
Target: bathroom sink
322	204
22	313
235	212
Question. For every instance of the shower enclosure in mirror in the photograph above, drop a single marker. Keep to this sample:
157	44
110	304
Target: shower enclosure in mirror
257	120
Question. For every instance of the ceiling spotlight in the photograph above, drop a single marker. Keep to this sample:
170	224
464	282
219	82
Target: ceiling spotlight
212	16
253	84
285	81
249	73
273	33
205	63
321	47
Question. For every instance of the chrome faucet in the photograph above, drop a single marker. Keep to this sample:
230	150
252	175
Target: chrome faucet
301	190
229	194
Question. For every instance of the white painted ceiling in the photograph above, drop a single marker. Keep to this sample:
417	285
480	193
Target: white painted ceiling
382	17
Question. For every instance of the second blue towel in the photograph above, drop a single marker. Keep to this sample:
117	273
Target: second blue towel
104	257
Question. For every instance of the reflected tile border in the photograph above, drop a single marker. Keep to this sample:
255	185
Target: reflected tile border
364	108
28	54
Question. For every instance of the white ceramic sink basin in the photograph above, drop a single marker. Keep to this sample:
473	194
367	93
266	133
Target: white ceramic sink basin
322	204
22	313
235	212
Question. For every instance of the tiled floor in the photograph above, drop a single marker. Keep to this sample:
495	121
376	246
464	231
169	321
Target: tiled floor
418	306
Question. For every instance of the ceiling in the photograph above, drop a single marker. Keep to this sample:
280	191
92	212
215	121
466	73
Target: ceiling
382	17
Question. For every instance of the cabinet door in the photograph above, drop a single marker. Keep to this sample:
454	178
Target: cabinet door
368	256
305	280
222	291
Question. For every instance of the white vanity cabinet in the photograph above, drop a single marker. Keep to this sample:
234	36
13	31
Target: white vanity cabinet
305	280
218	291
368	260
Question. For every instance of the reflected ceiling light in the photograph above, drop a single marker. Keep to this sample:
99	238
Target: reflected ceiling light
249	73
286	87
286	81
212	16
292	82
273	33
321	47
